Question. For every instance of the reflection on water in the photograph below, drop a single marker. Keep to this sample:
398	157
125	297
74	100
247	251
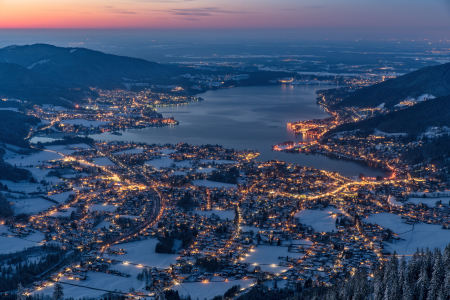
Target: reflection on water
246	118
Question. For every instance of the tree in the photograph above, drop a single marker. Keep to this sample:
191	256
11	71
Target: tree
20	292
58	293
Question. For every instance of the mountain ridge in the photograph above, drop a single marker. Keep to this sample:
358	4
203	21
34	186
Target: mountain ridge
433	80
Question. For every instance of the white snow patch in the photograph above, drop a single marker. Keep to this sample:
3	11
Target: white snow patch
320	220
45	61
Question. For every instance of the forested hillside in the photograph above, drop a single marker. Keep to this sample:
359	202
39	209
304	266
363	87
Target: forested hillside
430	80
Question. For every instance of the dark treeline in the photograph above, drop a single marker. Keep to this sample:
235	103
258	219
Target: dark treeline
187	202
229	176
67	140
15	127
6	211
182	232
211	264
10	172
412	120
16	268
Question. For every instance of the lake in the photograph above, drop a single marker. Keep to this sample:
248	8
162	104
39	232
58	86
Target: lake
247	118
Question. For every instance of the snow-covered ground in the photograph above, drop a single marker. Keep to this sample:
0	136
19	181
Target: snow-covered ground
68	149
103	162
70	291
320	220
41	139
213	184
167	151
84	122
267	257
96	280
208	290
223	214
21	186
419	236
13	244
61	197
143	252
33	159
165	162
30	206
64	214
205	170
393	201
387	220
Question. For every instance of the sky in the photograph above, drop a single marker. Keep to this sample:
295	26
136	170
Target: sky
423	15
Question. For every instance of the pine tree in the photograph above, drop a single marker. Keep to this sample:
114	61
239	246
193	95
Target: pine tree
446	288
423	283
20	292
378	287
407	291
58	293
436	278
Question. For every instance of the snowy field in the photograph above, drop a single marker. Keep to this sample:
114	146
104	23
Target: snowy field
205	170
165	162
102	207
167	151
33	159
143	252
208	290
223	214
393	201
41	174
14	244
131	151
22	186
61	197
267	257
84	122
96	280
70	291
30	206
68	149
41	139
320	220
212	184
418	236
104	224
64	214
103	162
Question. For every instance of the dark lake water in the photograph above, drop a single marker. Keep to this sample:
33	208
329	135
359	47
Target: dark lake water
247	118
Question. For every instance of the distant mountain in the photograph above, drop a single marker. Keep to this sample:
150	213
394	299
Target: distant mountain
43	73
21	83
80	67
47	74
413	120
430	80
